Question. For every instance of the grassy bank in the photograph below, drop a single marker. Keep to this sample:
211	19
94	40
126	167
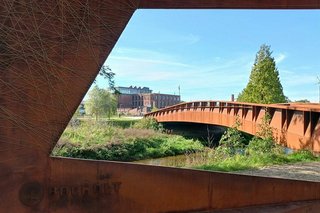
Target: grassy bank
210	160
123	122
236	153
121	141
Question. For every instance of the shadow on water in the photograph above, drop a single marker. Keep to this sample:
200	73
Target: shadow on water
209	135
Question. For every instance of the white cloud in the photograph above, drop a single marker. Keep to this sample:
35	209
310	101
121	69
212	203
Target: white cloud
164	72
190	39
214	79
292	80
151	61
280	57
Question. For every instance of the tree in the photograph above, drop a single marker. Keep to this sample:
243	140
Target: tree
264	84
302	101
101	102
154	108
107	73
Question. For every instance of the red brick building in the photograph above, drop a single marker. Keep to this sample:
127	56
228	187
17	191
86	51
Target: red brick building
159	100
143	100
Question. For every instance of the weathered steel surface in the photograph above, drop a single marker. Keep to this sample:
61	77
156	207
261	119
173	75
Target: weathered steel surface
295	207
120	186
294	125
50	52
230	4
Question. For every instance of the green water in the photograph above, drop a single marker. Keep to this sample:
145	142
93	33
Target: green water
172	161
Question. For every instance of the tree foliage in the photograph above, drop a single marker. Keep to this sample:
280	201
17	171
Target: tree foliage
232	140
154	108
101	102
264	141
264	84
107	73
302	101
148	123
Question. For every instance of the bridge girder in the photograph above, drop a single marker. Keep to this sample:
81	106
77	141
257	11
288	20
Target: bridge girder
296	126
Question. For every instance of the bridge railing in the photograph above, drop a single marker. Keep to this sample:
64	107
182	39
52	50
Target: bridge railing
240	105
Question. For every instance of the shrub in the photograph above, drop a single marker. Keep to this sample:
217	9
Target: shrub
105	142
148	123
123	123
260	146
231	141
264	141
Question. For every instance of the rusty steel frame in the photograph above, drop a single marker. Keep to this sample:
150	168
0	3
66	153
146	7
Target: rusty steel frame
294	125
50	53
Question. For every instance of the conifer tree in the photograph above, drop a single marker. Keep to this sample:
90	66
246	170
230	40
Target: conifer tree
264	84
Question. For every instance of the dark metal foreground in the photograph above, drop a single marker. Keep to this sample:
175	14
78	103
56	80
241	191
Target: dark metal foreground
50	53
294	125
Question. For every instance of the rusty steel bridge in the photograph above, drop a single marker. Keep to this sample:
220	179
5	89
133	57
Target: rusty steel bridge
295	125
50	53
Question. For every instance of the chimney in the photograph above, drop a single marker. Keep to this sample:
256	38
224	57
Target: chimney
232	97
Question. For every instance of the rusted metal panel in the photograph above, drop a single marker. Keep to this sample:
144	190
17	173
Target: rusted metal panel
89	186
240	4
51	52
294	207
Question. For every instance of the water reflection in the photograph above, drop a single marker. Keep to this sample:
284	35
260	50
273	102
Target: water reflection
173	161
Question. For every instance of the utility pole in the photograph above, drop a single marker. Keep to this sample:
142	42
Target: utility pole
319	86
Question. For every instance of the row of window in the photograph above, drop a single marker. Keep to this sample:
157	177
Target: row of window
158	103
173	98
170	98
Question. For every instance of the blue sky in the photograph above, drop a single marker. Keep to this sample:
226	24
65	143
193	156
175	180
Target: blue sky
209	53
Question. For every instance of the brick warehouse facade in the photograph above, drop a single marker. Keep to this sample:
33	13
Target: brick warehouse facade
140	100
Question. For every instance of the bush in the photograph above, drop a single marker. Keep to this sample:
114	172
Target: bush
264	142
105	142
260	146
148	123
232	141
123	123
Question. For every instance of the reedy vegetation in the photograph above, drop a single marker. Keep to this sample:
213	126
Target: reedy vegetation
232	154
109	141
131	140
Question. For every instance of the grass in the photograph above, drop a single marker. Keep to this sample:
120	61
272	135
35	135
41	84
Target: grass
123	139
123	122
245	162
233	154
119	142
